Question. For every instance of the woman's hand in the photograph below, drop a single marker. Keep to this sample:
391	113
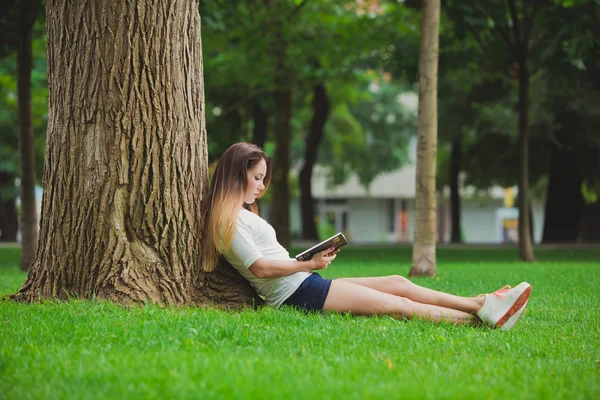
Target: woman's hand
324	258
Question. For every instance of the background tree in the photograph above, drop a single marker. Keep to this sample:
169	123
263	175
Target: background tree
126	161
282	131
512	26
9	126
17	26
520	24
478	87
321	110
570	90
561	56
456	85
260	36
9	161
350	86
29	229
424	261
239	104
321	52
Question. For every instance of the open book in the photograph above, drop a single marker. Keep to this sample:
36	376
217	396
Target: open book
338	240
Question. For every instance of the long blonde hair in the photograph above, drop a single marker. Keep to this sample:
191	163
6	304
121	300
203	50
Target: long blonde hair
225	195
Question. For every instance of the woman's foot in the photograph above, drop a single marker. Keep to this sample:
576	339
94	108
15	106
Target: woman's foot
513	320
503	308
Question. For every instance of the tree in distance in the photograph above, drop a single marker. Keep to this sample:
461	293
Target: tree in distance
424	260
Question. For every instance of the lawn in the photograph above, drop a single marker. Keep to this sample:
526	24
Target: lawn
95	350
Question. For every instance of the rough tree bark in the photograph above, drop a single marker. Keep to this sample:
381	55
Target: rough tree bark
29	221
321	108
424	258
455	162
126	159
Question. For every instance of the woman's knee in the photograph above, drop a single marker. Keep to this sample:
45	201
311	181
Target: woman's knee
399	282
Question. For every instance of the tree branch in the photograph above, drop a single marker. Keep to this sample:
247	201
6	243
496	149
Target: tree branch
515	19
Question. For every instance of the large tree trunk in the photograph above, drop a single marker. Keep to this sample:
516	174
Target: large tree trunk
455	162
564	201
9	219
423	261
525	242
126	159
29	221
321	108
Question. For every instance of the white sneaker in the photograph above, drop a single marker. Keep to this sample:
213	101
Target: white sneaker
500	306
513	320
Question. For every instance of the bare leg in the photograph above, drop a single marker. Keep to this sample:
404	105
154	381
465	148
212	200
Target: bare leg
400	286
361	300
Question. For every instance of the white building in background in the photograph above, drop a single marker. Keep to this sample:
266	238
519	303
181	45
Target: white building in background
387	212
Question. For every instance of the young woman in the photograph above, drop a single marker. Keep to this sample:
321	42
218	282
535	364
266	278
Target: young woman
233	229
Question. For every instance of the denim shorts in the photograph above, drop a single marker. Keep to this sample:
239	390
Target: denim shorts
311	294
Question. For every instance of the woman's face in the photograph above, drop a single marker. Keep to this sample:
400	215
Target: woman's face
255	177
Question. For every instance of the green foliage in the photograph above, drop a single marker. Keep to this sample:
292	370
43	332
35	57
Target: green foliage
478	85
97	349
333	42
338	42
369	136
571	89
590	193
10	23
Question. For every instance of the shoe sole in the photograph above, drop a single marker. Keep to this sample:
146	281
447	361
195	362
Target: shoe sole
517	305
513	320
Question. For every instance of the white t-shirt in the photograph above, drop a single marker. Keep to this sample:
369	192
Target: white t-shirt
255	238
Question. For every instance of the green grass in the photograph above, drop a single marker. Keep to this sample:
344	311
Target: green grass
98	350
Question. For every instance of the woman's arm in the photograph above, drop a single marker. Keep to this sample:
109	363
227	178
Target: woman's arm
277	268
